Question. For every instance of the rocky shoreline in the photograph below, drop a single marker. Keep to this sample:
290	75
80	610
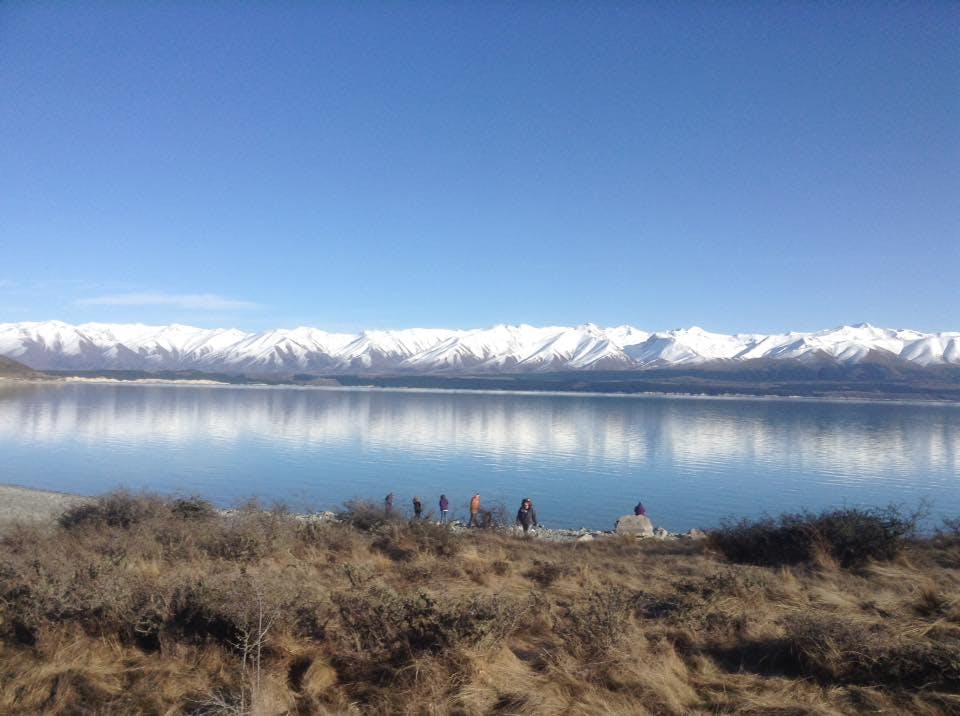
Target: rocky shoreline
29	504
636	526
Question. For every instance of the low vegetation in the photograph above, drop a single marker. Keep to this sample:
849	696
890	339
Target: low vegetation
135	604
850	536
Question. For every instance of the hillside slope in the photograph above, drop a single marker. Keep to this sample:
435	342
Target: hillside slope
9	368
267	613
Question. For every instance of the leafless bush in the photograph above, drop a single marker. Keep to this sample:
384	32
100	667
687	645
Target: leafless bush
192	508
116	509
546	573
384	627
366	516
595	623
949	527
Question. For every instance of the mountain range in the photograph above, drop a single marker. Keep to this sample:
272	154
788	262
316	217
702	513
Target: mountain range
501	349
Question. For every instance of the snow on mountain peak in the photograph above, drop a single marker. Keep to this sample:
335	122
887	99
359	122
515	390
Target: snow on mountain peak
499	348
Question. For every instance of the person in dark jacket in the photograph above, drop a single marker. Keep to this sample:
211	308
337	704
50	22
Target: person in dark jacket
526	515
444	507
417	508
388	504
639	509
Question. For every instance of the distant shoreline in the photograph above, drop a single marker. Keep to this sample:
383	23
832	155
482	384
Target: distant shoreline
651	394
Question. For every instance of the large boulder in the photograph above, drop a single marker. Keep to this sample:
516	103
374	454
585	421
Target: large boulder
637	525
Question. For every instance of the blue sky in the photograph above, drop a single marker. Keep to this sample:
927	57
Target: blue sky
745	166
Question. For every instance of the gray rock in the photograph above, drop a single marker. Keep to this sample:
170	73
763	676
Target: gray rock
585	538
638	525
661	533
696	534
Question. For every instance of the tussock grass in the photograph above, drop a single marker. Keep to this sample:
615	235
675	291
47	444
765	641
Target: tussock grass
135	604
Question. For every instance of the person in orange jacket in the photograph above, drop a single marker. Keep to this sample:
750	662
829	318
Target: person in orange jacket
474	510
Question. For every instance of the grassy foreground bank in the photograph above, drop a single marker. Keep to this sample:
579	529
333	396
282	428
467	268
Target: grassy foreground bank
134	604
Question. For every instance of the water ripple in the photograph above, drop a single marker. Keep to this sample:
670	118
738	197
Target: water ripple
585	460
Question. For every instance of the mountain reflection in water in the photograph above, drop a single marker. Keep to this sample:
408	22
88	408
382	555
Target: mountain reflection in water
584	459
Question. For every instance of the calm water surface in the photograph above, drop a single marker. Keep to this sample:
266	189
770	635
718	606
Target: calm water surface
584	460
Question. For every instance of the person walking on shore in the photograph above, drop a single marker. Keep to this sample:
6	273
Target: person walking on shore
474	510
417	508
388	504
639	509
526	515
444	507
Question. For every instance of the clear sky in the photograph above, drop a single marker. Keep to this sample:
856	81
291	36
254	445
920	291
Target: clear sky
742	166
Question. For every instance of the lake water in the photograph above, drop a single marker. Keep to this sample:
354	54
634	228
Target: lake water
584	460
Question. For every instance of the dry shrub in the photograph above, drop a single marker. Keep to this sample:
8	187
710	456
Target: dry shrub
395	547
404	542
338	540
383	628
116	509
151	606
251	535
546	573
366	516
223	608
240	540
715	602
949	527
851	536
437	540
596	622
56	586
843	651
192	508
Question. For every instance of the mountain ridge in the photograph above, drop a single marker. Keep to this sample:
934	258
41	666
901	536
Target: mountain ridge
10	368
55	345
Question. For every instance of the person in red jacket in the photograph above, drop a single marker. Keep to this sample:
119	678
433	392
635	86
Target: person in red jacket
639	509
444	508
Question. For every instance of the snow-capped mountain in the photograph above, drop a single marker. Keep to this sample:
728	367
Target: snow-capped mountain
54	345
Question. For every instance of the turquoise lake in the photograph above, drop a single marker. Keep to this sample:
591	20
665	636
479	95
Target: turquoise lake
584	460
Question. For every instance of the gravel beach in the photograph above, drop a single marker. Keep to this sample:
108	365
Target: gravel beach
22	503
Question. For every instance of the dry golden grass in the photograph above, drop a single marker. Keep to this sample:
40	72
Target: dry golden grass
147	607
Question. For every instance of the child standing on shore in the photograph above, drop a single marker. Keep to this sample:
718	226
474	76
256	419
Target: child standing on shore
444	507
